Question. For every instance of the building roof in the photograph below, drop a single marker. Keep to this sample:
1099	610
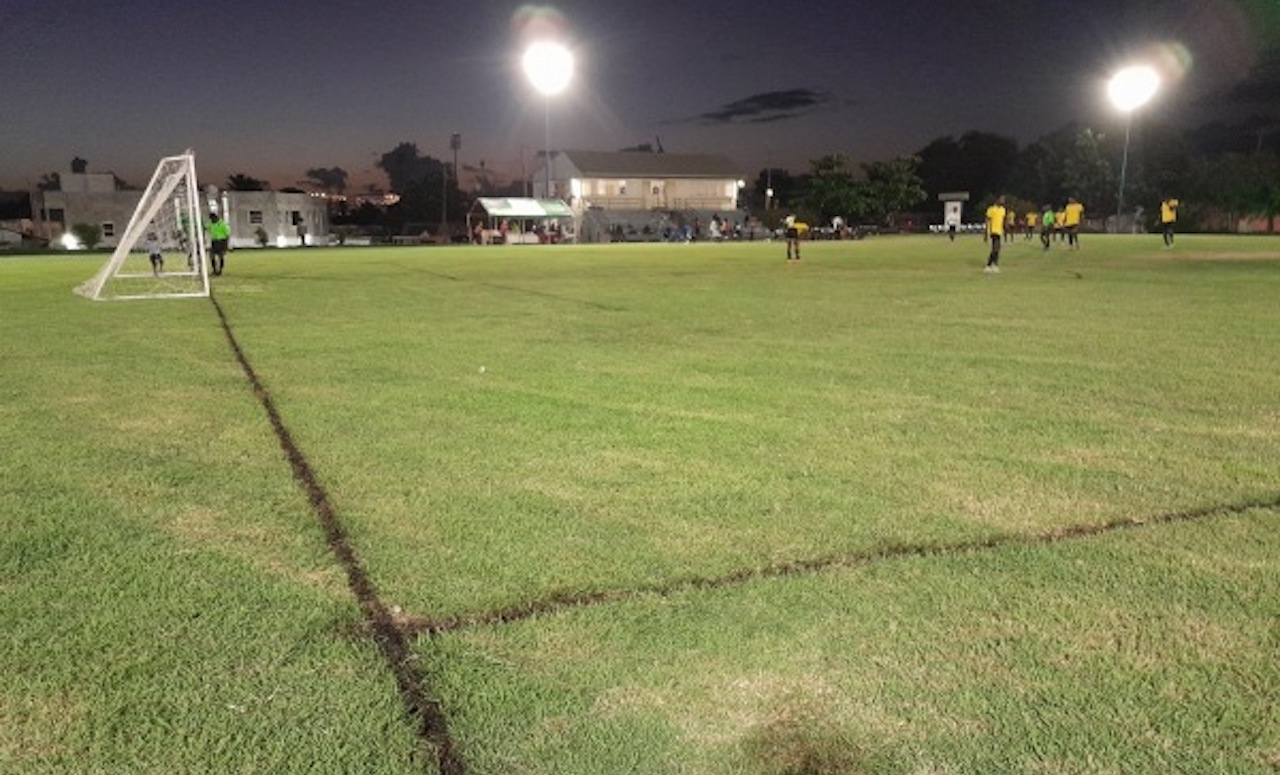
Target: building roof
517	207
638	164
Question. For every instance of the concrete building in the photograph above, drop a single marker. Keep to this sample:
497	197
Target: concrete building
256	218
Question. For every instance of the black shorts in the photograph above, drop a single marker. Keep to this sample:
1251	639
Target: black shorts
793	233
219	247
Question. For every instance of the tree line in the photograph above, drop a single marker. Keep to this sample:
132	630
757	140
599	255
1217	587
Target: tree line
1220	172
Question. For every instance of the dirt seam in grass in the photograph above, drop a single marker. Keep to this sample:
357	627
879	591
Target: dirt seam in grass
392	641
894	551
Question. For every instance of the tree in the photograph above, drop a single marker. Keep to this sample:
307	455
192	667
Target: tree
1068	162
421	181
831	190
981	163
88	234
1087	175
404	167
332	179
892	187
785	187
1235	185
241	182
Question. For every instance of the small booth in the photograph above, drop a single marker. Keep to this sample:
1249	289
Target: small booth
517	220
953	211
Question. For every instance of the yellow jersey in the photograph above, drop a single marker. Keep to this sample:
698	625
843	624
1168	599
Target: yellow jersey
1072	215
1169	211
995	220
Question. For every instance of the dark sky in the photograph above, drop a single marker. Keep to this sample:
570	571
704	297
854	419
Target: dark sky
271	88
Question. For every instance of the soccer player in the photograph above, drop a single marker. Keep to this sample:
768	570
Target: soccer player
219	239
995	230
1072	215
793	238
1046	226
1168	217
1030	224
153	252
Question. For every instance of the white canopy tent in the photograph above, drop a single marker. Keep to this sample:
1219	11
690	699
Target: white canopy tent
525	219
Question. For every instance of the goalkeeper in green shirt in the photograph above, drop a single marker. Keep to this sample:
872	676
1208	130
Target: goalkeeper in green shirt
1046	226
219	239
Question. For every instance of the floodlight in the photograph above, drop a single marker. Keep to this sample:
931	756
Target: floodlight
1132	87
549	67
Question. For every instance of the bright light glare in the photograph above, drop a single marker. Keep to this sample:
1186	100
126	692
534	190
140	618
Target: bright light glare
1132	87
70	242
549	67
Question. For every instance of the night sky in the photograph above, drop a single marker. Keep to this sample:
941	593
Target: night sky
271	88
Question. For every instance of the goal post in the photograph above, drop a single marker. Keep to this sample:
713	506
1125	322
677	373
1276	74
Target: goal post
168	223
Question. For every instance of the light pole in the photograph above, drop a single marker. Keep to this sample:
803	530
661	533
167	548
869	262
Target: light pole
455	142
1130	89
549	67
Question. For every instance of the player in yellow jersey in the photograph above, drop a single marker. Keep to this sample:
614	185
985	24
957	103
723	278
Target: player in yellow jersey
995	232
1072	215
1029	223
1168	217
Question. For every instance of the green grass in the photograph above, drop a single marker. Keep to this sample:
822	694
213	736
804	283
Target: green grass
515	428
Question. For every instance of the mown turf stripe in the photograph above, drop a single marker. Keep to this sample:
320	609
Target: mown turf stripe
894	551
392	641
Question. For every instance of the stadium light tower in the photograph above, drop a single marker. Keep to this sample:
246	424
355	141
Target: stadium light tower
1130	89
549	67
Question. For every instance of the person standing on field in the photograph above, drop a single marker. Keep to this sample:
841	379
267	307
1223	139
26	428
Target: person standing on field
219	239
153	253
1168	217
1072	215
995	232
1046	226
793	238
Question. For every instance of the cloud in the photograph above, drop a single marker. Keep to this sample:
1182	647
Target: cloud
767	107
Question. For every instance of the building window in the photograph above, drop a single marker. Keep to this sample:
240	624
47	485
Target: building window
108	229
255	217
57	215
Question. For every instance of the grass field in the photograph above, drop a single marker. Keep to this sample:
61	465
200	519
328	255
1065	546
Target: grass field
648	509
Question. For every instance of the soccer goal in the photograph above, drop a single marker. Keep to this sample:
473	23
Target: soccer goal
166	224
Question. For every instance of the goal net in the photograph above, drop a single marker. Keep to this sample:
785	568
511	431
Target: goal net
161	253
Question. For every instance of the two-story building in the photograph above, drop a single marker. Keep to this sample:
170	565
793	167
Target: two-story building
635	191
630	180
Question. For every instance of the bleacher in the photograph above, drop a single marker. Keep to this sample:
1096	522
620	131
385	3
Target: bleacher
599	225
624	226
